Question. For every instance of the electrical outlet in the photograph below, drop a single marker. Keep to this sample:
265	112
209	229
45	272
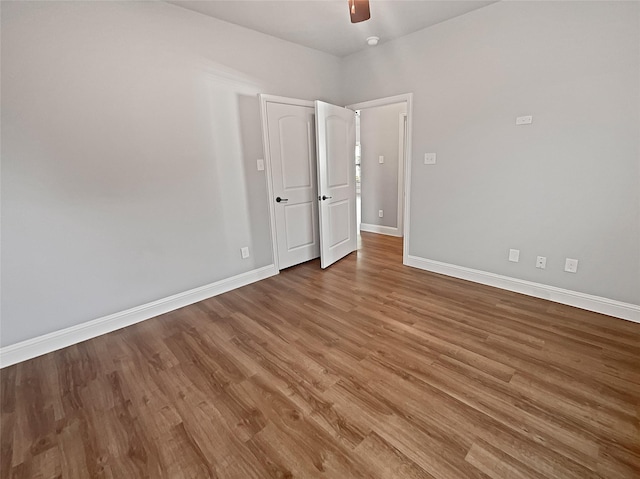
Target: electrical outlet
524	120
260	163
429	158
244	252
381	159
380	213
514	255
541	262
571	265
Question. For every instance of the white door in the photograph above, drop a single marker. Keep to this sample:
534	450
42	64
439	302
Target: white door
292	153
336	140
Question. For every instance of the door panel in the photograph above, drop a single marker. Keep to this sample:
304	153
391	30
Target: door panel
336	143
292	153
339	220
300	230
294	149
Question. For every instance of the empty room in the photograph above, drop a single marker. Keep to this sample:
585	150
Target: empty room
320	239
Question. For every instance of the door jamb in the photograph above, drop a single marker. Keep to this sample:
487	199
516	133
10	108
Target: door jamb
264	99
402	158
408	98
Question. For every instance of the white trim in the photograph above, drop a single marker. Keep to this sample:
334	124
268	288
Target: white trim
389	100
407	179
408	98
618	309
264	99
285	100
383	230
402	140
47	343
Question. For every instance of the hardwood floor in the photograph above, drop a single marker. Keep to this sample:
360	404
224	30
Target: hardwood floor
367	370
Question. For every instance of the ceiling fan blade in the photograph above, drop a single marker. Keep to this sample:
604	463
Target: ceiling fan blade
359	10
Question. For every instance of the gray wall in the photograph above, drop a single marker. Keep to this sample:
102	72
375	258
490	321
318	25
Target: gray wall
379	136
130	133
566	186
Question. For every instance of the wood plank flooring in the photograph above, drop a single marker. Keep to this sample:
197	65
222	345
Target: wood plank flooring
367	370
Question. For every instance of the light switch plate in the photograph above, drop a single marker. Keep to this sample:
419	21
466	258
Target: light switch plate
381	159
260	163
429	158
245	252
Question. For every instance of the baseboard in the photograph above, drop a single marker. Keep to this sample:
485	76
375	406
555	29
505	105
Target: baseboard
618	309
47	343
383	230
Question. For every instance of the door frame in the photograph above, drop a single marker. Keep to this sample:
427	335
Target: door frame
264	99
402	158
403	162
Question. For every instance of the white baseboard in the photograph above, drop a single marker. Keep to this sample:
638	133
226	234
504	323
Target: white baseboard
383	230
47	343
618	309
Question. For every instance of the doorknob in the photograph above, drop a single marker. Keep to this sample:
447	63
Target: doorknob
326	197
278	199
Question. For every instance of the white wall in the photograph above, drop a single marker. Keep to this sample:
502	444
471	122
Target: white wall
566	186
380	136
129	138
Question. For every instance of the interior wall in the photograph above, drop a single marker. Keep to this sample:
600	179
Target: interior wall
380	136
130	133
568	185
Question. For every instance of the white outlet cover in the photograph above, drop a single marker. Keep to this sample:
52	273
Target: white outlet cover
381	159
260	163
244	252
571	265
524	120
429	158
541	262
380	213
514	255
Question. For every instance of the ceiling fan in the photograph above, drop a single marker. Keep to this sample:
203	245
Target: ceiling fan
359	10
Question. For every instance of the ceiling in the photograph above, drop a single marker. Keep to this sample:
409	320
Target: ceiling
325	25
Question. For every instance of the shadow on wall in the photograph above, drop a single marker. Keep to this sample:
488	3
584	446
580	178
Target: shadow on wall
255	181
236	143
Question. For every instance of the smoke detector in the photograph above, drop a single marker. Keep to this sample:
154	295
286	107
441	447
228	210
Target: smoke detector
373	41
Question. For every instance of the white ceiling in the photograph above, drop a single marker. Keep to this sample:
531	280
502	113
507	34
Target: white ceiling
325	25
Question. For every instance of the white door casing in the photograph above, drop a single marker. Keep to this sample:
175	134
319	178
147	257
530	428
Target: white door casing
408	156
336	142
291	152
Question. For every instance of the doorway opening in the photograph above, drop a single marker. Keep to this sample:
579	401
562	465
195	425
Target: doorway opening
382	153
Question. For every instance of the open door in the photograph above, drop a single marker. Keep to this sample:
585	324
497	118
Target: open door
336	143
290	148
